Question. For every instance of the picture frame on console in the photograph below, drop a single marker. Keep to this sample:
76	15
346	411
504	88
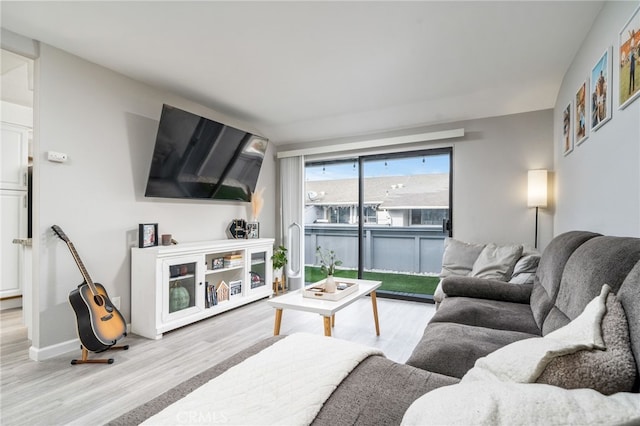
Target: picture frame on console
217	263
147	235
253	230
600	99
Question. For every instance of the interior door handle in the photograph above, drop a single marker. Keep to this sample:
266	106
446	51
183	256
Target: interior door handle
26	242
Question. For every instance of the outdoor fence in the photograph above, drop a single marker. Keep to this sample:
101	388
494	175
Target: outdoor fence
415	249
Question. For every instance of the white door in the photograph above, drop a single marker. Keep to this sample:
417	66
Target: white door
14	150
13	161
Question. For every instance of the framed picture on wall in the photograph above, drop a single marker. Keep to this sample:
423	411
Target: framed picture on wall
147	235
580	114
567	133
629	45
600	98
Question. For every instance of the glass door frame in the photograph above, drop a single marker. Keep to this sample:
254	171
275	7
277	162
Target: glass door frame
360	161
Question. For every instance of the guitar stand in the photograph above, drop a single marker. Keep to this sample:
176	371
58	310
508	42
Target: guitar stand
85	356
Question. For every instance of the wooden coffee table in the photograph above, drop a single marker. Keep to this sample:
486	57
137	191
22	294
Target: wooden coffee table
326	308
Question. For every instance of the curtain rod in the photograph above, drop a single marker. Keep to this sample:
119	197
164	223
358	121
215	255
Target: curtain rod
374	143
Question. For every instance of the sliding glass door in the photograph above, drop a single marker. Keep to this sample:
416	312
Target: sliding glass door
385	217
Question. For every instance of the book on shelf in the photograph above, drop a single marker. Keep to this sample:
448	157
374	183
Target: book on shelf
210	295
233	260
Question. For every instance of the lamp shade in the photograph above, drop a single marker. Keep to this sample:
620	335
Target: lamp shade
537	196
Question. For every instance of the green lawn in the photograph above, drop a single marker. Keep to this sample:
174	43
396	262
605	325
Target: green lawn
404	283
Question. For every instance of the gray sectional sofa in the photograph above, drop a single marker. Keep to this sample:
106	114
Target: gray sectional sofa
477	317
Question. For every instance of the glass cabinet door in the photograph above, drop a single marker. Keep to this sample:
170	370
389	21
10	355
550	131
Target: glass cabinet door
259	270
181	288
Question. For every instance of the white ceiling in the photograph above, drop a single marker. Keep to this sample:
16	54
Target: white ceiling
301	71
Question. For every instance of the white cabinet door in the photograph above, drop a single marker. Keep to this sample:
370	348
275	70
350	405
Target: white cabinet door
14	159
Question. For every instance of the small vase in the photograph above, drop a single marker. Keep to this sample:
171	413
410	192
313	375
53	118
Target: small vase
330	284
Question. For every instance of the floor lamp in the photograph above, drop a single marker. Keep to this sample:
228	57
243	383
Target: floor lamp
537	194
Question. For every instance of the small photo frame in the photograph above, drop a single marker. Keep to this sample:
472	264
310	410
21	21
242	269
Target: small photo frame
253	230
580	114
235	289
567	131
600	99
217	263
629	45
147	235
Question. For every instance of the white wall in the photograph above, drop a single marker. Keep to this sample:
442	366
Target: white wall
489	174
598	184
106	123
490	178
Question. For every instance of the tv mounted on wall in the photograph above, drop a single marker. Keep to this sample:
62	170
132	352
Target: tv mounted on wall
195	157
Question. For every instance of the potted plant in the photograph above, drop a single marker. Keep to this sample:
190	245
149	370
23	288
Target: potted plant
279	260
328	263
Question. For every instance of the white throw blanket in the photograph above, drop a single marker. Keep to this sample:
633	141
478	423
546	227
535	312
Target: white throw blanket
501	403
286	383
523	361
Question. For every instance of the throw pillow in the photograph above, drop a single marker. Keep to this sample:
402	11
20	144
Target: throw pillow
496	262
458	257
608	371
525	269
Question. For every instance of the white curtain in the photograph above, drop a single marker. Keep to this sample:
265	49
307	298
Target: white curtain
292	211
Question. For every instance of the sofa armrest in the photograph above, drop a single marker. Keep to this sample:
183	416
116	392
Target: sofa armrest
481	288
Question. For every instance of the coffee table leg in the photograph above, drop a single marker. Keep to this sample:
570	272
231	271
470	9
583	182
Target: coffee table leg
327	326
276	327
375	312
333	320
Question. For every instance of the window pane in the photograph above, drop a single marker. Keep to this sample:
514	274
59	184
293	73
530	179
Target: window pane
331	216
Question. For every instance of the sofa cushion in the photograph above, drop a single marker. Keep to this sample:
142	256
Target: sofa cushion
452	349
487	313
523	361
496	262
486	289
629	297
377	391
549	273
600	260
458	257
607	371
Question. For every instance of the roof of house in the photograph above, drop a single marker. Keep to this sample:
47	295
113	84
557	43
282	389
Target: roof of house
386	192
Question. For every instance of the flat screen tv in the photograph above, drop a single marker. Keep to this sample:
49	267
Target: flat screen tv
195	157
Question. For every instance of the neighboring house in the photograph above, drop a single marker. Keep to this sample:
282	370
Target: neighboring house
389	200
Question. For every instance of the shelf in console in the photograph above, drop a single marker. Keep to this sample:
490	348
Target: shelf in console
181	277
215	271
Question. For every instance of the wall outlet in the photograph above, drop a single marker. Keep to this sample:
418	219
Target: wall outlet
57	157
116	302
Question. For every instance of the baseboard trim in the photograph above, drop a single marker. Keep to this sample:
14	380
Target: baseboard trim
10	303
48	352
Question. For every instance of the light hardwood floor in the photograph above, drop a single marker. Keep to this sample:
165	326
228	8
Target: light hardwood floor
53	392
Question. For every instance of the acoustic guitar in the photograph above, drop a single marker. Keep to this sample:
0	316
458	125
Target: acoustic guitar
100	324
